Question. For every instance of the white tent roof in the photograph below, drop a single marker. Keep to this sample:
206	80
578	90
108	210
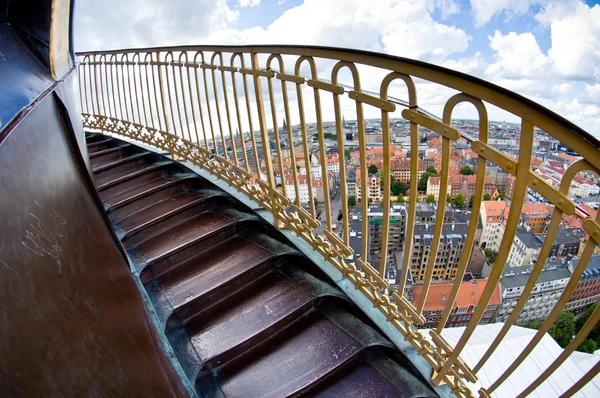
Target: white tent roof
542	356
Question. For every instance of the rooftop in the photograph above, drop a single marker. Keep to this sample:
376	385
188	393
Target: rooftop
468	295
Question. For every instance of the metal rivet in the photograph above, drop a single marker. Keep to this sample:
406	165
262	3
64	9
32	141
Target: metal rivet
509	166
481	150
561	202
595	234
534	183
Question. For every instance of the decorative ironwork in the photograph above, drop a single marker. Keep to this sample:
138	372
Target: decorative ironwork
159	98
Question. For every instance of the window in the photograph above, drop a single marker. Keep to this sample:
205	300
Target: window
461	310
473	295
443	297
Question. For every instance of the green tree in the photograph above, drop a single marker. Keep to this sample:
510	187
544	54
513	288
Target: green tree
372	169
316	202
563	329
490	255
352	201
501	195
459	200
579	322
532	325
487	196
430	199
448	198
431	170
467	171
401	198
398	187
347	152
422	186
588	346
471	199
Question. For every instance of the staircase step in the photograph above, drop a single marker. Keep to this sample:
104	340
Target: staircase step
184	234
93	139
111	154
166	224
136	178
162	210
289	362
122	167
140	191
246	316
212	269
101	145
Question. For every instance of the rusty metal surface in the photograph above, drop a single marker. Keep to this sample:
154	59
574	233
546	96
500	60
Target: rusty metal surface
72	320
246	313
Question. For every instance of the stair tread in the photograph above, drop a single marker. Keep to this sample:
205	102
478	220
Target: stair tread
210	270
160	210
290	361
140	190
249	312
127	174
106	166
182	235
356	380
105	151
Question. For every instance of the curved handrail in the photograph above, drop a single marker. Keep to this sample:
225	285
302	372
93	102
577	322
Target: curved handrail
168	127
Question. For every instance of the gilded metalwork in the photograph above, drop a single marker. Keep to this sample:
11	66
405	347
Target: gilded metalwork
158	97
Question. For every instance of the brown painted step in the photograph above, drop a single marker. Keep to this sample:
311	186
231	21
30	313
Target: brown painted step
141	191
182	235
166	224
161	210
101	145
112	154
140	198
122	167
307	350
135	178
222	331
212	270
357	380
93	139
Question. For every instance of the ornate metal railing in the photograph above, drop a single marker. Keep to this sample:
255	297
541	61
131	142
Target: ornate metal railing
205	104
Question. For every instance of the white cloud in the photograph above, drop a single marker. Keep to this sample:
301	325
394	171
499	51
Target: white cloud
248	3
575	50
474	65
485	10
517	56
446	7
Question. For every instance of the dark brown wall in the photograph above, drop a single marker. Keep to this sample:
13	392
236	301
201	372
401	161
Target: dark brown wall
72	320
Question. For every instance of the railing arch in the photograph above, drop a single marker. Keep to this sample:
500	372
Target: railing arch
113	112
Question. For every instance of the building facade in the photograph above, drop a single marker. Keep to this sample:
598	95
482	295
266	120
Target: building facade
588	288
450	249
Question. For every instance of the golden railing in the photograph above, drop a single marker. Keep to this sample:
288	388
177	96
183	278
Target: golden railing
179	99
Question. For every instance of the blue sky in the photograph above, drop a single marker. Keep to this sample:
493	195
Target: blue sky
546	50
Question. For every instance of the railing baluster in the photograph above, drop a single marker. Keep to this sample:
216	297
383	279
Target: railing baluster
265	137
237	111
195	62
275	126
519	193
307	162
210	119
286	108
323	160
439	223
228	114
214	80
250	123
191	97
477	198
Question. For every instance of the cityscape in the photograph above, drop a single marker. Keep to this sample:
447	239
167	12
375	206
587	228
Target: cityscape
549	162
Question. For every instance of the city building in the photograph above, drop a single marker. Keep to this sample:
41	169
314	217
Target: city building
373	187
395	233
469	293
565	244
509	186
524	250
588	288
450	249
460	184
493	216
545	294
536	216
